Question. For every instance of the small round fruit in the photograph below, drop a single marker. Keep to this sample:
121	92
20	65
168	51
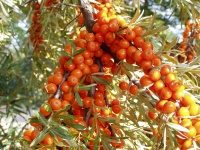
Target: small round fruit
116	109
48	140
169	107
123	85
133	89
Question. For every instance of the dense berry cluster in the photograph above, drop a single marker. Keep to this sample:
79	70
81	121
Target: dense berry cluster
188	45
80	101
35	30
173	101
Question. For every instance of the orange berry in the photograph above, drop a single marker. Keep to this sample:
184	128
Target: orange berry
113	26
116	109
130	51
77	72
100	102
104	29
183	112
89	37
177	95
64	104
44	112
165	93
158	85
194	109
137	56
50	79
48	140
91	46
197	127
145	80
96	27
152	115
55	103
133	89
123	85
121	54
169	107
72	80
59	70
69	66
160	104
186	122
86	70
27	138
124	44
197	139
115	102
27	133
154	74
78	59
57	78
147	54
51	88
192	132
187	144
109	38
169	78
65	87
157	61
138	42
138	30
87	102
165	70
145	64
130	34
83	33
94	68
174	85
34	134
68	97
188	100
89	62
147	45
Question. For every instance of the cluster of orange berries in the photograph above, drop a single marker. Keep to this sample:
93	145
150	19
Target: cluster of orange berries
50	3
80	68
35	30
174	101
188	45
81	80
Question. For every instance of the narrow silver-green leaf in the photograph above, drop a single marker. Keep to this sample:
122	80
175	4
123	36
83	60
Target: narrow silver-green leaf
63	110
86	87
79	51
100	80
76	126
177	127
78	99
60	133
4	10
42	119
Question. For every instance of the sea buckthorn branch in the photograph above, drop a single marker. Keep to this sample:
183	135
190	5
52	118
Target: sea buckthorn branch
188	46
107	49
58	92
89	22
88	111
88	16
